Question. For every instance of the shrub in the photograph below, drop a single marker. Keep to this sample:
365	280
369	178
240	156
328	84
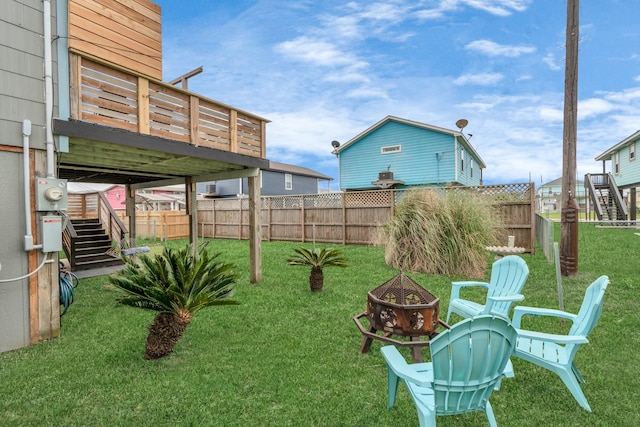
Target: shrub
440	233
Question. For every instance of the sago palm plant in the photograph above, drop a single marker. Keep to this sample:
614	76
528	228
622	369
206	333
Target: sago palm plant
317	259
176	283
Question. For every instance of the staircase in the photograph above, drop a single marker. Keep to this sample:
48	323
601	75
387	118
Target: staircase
606	197
87	244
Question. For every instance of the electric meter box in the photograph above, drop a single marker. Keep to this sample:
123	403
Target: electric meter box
51	194
51	227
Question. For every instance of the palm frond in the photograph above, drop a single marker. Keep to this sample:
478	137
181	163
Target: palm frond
176	281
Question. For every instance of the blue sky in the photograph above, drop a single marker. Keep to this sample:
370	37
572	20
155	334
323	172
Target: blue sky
327	70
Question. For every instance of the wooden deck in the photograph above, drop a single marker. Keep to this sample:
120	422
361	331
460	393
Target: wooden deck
107	95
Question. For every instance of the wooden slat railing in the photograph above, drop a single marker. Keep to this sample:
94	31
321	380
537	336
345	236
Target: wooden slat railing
106	94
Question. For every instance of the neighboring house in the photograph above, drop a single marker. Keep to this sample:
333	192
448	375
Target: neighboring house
400	153
148	199
83	99
625	168
549	196
276	180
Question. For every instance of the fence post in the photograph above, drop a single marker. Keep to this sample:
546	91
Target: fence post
302	218
344	218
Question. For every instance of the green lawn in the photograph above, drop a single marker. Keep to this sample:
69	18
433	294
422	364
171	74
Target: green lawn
289	357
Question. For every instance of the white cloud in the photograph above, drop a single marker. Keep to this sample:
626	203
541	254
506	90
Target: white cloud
315	52
550	60
482	79
489	48
494	7
593	107
551	114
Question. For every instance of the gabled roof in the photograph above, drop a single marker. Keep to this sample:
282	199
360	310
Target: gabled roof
458	135
607	154
558	181
298	170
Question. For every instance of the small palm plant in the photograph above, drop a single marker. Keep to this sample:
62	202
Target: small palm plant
176	283
317	259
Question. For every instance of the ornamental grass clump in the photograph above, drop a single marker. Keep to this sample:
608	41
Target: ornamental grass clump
438	232
176	283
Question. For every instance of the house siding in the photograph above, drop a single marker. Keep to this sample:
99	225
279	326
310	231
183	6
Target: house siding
629	170
272	185
22	98
21	71
426	157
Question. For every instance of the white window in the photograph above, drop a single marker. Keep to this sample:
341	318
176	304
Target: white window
632	152
471	167
462	159
288	181
616	163
390	149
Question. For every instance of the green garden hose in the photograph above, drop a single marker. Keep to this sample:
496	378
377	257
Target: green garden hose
68	283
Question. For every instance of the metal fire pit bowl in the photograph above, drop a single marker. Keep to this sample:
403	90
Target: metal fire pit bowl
401	306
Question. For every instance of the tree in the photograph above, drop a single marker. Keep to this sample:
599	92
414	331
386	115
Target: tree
317	259
176	283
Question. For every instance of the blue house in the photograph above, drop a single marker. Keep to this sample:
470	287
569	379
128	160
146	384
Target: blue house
277	180
400	153
625	168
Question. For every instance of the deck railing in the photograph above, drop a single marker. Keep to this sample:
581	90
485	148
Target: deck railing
105	94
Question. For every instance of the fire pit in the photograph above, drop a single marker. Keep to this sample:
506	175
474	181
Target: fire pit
400	307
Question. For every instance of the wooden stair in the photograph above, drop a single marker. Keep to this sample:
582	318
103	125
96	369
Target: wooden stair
90	246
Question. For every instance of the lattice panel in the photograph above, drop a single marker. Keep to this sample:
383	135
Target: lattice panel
286	202
506	192
319	201
368	198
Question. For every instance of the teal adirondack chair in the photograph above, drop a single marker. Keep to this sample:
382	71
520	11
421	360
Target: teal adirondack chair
468	362
508	276
556	352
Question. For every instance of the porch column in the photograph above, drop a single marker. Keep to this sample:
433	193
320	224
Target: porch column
255	248
632	208
130	206
192	211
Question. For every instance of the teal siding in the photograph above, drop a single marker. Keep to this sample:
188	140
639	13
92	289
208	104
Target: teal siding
427	157
629	169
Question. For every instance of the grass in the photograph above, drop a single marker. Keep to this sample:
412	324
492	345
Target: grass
289	357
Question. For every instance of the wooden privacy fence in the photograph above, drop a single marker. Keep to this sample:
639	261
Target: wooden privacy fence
345	218
350	217
163	225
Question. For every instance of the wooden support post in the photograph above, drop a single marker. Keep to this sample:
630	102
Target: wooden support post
194	119
569	241
233	131
75	92
144	120
130	206
192	211
255	247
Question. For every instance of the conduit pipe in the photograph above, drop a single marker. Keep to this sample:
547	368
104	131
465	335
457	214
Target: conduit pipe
48	89
28	237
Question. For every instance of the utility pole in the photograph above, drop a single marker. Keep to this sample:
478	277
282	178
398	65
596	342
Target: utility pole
570	208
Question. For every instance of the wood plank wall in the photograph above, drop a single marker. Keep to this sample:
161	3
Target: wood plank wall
124	32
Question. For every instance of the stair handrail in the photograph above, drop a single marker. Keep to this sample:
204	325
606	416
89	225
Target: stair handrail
621	206
69	235
591	189
112	223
